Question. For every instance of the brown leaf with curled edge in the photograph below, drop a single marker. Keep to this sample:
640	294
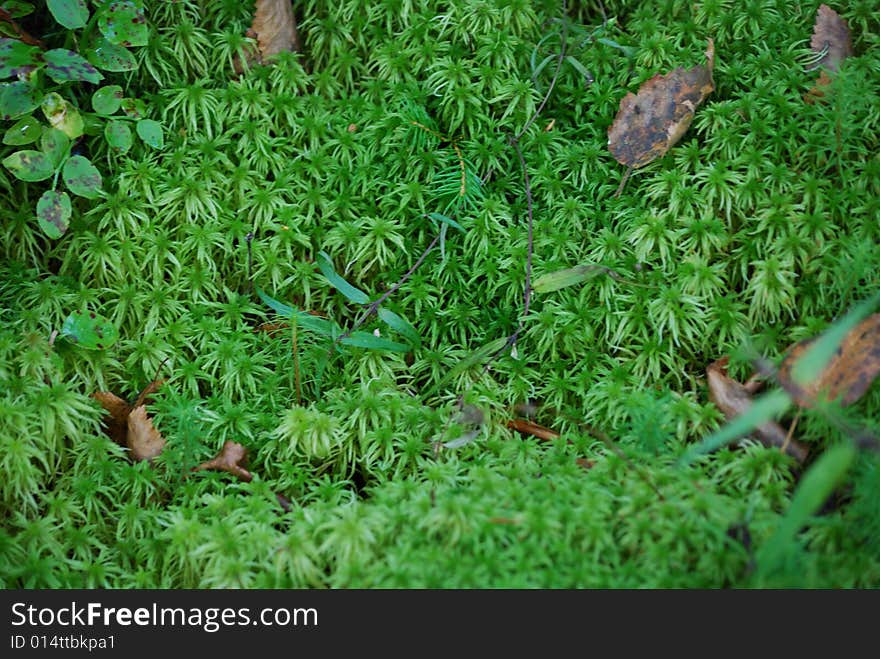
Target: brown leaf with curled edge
139	435
116	421
530	428
734	398
275	27
849	374
830	36
143	440
229	459
650	122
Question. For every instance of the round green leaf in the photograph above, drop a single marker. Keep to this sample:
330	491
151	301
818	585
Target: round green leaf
54	144
107	99
110	57
16	8
72	14
123	23
53	213
64	65
134	108
25	131
29	165
89	330
118	135
81	177
18	98
62	115
16	57
150	132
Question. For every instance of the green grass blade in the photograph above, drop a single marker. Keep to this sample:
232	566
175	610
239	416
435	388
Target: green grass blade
763	409
400	325
336	281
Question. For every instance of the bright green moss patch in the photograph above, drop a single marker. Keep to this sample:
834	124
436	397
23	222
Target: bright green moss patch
760	226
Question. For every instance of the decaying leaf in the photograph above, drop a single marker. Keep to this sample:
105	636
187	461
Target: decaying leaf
650	122
831	39
849	374
832	43
143	440
229	459
531	428
116	423
275	27
129	425
734	398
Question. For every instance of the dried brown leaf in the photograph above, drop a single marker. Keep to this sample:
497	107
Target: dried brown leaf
149	390
116	421
733	399
144	441
830	35
649	123
533	429
275	27
229	459
849	374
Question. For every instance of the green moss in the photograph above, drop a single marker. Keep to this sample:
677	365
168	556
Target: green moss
760	225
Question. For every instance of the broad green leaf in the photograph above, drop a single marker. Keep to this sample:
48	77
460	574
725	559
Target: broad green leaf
107	99
17	57
304	320
54	144
29	166
440	217
72	14
62	115
373	342
553	281
812	491
814	360
354	294
134	108
762	410
16	8
89	330
18	98
64	65
399	324
150	131
25	131
53	213
110	57
123	23
118	135
81	177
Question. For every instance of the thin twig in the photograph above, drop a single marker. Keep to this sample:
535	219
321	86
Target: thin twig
23	36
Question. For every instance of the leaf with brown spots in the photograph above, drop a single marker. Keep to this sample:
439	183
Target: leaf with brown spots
275	27
143	440
831	39
649	123
229	460
849	374
734	398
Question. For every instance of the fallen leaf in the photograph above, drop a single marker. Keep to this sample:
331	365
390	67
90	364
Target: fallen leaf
830	36
116	424
533	429
229	459
129	425
274	27
832	44
649	123
849	374
733	399
143	440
